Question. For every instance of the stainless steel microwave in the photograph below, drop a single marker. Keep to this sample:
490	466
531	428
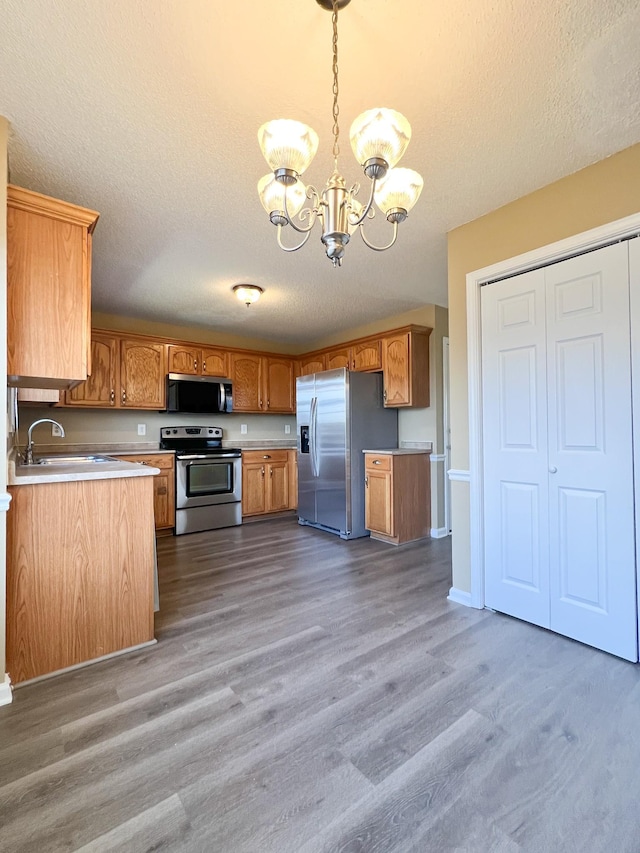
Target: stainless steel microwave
202	395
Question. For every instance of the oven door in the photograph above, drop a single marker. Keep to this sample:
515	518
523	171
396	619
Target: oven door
203	480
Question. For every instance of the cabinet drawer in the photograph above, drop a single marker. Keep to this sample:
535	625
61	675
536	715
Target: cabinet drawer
375	462
164	461
253	456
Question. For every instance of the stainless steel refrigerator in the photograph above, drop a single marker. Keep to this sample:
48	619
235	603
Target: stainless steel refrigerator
339	414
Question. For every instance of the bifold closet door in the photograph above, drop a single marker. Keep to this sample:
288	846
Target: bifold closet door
567	376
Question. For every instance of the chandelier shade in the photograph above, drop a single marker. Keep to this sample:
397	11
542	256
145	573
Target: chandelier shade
379	138
380	134
288	144
271	192
399	189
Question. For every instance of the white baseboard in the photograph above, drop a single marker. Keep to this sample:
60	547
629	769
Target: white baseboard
439	532
460	597
6	696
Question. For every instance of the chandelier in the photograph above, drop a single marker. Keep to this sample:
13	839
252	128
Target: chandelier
379	138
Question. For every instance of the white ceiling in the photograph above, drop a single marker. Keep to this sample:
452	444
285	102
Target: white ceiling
147	111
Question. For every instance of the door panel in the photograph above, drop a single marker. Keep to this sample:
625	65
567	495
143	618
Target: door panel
515	443
591	500
305	390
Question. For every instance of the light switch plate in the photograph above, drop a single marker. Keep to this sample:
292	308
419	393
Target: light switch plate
287	429
142	429
243	429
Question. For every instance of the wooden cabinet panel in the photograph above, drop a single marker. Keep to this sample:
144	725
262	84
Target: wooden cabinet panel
214	362
405	363
254	498
142	375
184	360
164	487
293	478
48	290
367	356
246	375
312	364
100	388
397	496
277	483
278	392
80	564
196	361
338	358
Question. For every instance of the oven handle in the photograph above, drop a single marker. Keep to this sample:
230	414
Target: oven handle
210	456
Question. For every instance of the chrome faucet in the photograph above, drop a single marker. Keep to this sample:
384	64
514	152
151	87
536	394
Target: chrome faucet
28	453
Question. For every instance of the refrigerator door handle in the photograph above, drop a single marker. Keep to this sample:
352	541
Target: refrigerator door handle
312	437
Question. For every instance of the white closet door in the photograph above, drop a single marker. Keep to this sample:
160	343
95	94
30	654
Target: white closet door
591	500
557	432
516	514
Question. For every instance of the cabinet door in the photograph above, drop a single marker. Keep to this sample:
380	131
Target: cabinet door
366	356
253	489
293	479
277	486
142	375
164	506
278	385
395	355
101	388
184	360
48	290
339	358
314	364
378	502
214	362
246	375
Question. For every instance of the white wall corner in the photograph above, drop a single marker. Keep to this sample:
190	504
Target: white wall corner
460	597
6	694
439	532
459	475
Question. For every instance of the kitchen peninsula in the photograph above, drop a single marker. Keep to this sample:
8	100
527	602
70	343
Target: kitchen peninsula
81	560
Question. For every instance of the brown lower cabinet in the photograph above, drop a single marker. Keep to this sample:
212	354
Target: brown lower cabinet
80	567
164	487
269	481
397	496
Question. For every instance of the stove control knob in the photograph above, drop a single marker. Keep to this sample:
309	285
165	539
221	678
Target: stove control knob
175	431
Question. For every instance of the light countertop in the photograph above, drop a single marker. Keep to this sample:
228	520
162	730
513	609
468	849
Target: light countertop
24	475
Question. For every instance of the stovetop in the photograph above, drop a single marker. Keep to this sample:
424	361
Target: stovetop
203	439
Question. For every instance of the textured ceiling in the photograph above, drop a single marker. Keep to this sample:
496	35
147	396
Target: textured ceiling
147	111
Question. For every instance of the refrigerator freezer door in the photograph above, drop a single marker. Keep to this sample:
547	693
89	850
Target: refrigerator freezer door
305	395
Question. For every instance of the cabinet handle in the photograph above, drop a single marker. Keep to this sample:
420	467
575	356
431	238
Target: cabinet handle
124	396
376	461
260	403
384	395
195	364
366	482
266	456
271	472
204	366
263	470
268	403
112	396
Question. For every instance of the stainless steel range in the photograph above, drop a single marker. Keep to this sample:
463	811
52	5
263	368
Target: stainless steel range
208	478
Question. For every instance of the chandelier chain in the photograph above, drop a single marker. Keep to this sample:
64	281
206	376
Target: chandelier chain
336	108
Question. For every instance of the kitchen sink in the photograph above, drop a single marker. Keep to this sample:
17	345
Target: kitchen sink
73	460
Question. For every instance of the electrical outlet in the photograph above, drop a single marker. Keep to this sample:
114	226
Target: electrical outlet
142	429
243	429
56	431
287	429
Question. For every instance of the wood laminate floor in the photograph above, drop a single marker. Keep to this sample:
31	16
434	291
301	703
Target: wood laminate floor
310	695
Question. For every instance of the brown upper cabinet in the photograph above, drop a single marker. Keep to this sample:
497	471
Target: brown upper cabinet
405	366
127	373
364	356
312	364
198	361
261	383
48	290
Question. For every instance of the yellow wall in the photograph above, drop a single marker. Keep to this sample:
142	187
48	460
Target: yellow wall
601	193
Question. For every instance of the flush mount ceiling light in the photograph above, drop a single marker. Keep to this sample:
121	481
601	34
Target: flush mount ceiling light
379	138
247	293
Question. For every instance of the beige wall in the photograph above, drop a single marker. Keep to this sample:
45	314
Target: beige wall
4	134
601	193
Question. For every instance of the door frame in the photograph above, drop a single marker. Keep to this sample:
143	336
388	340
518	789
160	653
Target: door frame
578	244
446	429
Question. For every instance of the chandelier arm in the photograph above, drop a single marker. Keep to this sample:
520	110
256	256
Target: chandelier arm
380	248
367	208
311	212
292	248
